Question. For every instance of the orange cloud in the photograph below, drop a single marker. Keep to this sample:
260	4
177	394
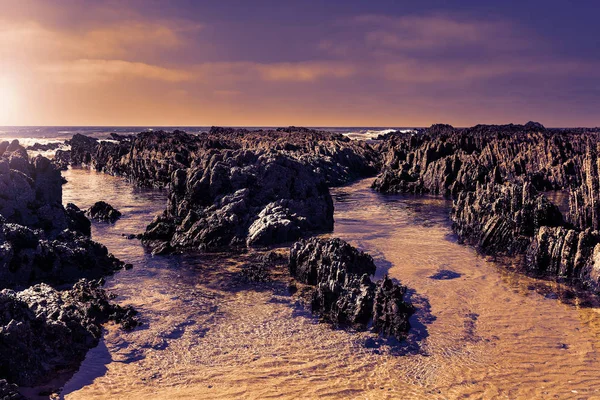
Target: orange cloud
306	71
100	71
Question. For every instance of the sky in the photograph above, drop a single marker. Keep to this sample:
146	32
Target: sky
297	62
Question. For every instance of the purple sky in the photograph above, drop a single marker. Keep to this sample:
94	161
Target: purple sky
317	63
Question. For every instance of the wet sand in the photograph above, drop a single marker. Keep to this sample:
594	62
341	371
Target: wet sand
480	331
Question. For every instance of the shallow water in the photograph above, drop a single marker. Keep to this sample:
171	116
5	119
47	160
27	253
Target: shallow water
480	332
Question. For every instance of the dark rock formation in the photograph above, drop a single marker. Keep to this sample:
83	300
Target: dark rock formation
446	160
584	201
502	219
77	220
494	174
566	253
239	198
390	311
27	256
44	147
104	212
62	159
233	187
9	391
31	192
344	294
43	330
314	260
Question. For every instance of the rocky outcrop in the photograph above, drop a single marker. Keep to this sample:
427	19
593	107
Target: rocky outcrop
44	146
234	199
390	311
584	201
77	220
104	212
9	391
27	256
40	240
565	253
495	175
446	160
502	219
43	330
31	192
343	292
233	187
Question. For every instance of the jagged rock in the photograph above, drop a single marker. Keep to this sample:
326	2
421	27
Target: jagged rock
390	311
502	219
43	330
344	293
77	220
446	160
102	211
44	147
31	192
27	256
314	261
233	187
238	198
584	201
62	159
566	253
9	391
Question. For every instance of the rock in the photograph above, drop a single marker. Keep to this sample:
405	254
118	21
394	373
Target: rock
239	198
502	219
565	253
446	160
43	330
44	147
31	191
314	261
234	188
62	159
77	221
390	312
27	257
344	294
104	212
9	391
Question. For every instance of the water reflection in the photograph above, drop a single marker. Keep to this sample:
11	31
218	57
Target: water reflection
483	332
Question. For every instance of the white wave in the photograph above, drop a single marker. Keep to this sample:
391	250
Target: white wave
372	134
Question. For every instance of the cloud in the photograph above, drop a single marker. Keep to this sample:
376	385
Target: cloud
306	71
31	40
100	71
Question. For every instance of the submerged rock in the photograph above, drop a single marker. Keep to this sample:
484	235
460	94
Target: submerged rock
104	212
43	330
344	294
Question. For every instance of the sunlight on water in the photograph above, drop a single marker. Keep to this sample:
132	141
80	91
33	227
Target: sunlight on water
479	332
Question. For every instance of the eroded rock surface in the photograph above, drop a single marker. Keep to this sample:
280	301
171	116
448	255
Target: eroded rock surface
28	256
43	330
343	291
233	188
496	174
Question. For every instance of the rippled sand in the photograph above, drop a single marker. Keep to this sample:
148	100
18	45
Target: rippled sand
480	332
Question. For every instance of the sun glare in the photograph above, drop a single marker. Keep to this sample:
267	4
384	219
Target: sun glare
8	100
